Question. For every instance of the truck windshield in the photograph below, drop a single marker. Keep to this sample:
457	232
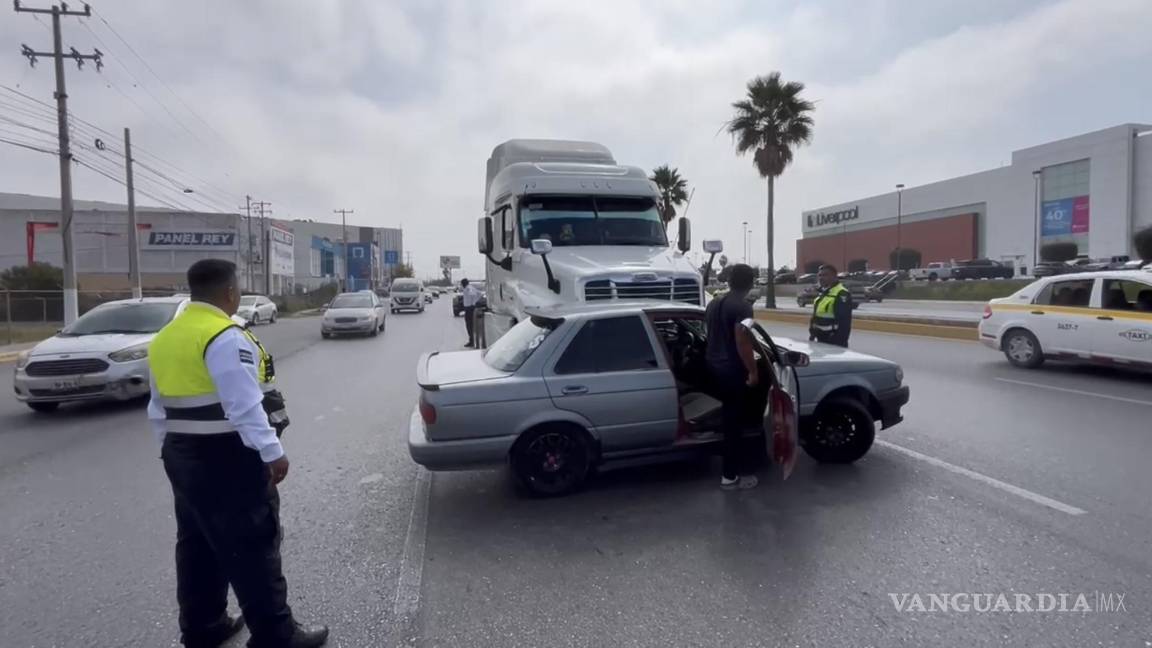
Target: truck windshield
511	350
588	220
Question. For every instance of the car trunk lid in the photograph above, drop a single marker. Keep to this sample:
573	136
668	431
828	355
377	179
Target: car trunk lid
436	369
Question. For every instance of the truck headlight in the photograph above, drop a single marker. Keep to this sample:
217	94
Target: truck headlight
22	359
129	354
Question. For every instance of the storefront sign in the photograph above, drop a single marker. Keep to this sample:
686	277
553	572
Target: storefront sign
283	251
191	240
820	219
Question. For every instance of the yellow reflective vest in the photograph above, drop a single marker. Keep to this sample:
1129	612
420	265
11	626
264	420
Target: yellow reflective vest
824	309
176	360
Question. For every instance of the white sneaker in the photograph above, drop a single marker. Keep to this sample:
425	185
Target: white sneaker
729	484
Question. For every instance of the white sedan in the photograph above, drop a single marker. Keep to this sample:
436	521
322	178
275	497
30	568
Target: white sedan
257	309
1096	317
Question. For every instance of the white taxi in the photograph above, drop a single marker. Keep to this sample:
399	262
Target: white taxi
1097	317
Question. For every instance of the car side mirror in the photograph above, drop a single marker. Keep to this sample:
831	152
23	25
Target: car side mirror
484	235
797	359
541	247
684	238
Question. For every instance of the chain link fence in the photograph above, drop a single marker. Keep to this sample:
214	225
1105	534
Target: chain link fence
32	315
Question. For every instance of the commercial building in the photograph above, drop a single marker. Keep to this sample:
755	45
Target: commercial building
291	256
1092	190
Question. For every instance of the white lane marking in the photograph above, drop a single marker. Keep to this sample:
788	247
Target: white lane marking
412	560
991	481
1077	391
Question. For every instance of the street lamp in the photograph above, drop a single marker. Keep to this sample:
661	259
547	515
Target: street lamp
745	241
899	216
1035	218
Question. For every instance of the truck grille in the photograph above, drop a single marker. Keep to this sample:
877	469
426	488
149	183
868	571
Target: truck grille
681	290
66	367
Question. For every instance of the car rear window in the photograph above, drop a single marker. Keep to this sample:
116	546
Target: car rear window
512	350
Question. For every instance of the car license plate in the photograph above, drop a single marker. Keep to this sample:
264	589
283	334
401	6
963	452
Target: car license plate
64	385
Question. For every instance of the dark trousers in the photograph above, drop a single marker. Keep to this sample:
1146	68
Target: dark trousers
731	387
470	323
227	532
838	338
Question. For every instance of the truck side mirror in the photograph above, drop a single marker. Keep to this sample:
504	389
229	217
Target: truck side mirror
541	247
684	240
484	235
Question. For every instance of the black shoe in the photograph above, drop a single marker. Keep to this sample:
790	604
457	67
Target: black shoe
469	345
219	634
312	636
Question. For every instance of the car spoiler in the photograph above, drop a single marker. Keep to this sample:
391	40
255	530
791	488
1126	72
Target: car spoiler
422	372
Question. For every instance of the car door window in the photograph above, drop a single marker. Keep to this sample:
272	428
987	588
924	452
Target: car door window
607	345
1075	293
1124	294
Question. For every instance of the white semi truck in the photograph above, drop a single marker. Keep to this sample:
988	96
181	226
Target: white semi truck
565	223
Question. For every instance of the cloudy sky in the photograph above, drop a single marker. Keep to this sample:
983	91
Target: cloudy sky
391	107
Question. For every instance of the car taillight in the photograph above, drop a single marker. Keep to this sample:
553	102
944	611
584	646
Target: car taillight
987	311
427	411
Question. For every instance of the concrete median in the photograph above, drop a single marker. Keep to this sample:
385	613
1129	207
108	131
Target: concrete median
927	326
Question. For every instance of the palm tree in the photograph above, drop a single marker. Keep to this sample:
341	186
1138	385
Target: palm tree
770	122
673	191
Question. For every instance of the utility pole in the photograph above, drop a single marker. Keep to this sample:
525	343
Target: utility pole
133	243
899	217
262	208
344	237
251	244
71	301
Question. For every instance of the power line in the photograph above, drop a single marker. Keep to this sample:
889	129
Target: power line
154	74
95	132
28	146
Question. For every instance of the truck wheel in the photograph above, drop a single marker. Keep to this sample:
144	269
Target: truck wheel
933	277
43	407
1023	349
840	432
551	460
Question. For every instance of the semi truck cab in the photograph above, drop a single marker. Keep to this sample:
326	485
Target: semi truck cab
565	223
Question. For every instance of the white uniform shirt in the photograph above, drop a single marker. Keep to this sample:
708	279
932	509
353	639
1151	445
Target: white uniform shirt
233	362
472	295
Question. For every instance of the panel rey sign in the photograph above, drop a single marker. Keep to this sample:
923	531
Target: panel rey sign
190	240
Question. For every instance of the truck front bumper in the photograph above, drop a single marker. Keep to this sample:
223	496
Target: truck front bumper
890	403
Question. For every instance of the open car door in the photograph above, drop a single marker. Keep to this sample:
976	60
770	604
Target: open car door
781	423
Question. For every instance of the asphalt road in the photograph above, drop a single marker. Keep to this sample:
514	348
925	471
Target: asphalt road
999	481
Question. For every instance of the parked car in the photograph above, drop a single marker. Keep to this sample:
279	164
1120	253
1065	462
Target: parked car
1098	317
354	312
1085	264
103	355
582	386
1050	268
408	294
257	309
785	278
806	278
937	270
427	297
982	269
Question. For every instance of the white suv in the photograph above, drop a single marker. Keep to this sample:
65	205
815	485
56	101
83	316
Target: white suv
1099	317
407	294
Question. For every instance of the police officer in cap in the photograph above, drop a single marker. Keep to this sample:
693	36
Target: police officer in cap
832	311
212	398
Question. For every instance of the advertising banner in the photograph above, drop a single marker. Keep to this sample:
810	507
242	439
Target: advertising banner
191	240
283	259
391	257
450	262
359	266
1056	219
1080	215
1065	217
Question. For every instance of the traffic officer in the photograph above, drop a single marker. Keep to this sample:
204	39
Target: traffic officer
832	311
223	458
